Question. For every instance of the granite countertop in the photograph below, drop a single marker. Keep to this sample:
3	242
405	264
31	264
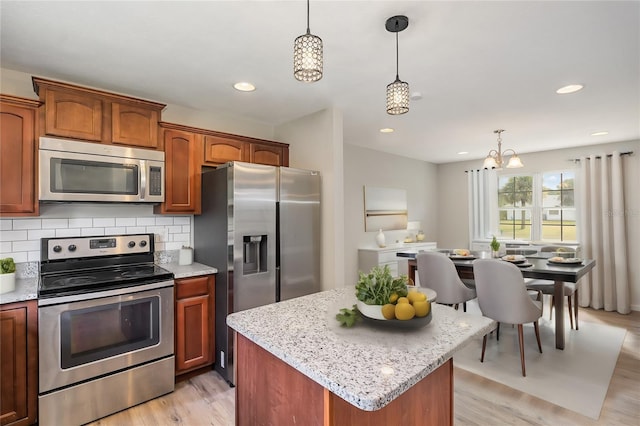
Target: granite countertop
27	288
366	365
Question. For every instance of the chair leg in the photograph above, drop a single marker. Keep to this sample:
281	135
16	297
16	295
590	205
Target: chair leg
498	332
551	308
575	306
570	311
484	345
455	306
537	329
521	341
464	306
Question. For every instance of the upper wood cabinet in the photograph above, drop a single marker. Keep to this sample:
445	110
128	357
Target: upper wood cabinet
18	195
88	114
220	148
273	155
182	170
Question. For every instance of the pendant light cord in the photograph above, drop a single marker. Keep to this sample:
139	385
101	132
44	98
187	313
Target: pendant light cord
397	73
308	30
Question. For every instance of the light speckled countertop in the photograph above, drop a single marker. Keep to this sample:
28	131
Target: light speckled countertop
185	271
366	365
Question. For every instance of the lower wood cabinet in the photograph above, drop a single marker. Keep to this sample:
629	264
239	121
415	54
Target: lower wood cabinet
19	363
194	322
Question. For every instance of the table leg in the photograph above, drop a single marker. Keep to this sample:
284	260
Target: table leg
558	295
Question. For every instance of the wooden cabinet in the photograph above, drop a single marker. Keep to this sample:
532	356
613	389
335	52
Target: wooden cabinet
19	363
220	148
88	114
273	155
194	322
18	194
182	170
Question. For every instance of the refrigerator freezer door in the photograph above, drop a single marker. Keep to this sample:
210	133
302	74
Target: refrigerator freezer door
299	228
253	231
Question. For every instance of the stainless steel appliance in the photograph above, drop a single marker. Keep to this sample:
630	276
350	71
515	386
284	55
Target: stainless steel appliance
260	226
93	172
105	319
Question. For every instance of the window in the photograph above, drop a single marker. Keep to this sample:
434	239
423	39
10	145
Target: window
537	207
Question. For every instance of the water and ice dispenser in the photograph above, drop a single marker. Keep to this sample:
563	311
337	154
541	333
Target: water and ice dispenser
254	257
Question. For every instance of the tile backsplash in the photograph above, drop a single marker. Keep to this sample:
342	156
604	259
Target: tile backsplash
20	238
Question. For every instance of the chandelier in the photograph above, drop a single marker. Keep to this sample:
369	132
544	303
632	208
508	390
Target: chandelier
307	56
398	91
495	159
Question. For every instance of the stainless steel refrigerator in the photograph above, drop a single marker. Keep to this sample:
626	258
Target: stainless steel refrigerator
260	227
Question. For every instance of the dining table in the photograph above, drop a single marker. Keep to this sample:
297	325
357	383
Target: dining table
541	268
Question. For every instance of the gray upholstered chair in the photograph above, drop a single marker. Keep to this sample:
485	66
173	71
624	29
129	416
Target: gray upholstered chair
436	271
503	297
546	287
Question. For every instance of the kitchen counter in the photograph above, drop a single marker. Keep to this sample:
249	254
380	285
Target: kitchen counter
367	366
26	289
185	271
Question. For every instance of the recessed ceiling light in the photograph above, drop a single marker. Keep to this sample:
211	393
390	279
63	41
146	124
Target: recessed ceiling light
463	152
599	133
244	86
387	130
572	88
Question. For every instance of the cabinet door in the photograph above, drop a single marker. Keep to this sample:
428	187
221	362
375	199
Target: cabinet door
266	154
18	346
194	323
219	150
134	126
73	116
18	195
182	173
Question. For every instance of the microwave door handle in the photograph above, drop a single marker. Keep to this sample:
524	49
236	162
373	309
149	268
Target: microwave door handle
143	179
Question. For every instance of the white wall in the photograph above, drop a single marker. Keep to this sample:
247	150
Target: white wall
366	167
453	222
316	144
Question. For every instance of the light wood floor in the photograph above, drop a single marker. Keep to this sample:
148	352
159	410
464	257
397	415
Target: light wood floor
208	400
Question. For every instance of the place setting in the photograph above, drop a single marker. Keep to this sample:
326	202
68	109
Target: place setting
517	259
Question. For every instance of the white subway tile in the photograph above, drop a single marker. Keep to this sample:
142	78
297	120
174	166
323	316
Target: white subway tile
74	232
135	230
33	256
27	224
103	222
125	221
173	246
6	224
55	223
5	246
18	257
36	234
164	220
146	221
174	229
180	237
13	235
81	222
186	228
90	232
159	246
182	220
26	245
115	230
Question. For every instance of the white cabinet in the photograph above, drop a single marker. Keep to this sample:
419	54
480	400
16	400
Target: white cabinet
370	257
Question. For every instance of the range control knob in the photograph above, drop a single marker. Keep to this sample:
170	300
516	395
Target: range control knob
72	247
131	244
57	249
143	243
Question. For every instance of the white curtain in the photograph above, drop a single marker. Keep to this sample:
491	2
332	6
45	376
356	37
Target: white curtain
604	233
483	202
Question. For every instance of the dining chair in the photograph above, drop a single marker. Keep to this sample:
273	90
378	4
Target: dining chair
546	287
436	271
503	297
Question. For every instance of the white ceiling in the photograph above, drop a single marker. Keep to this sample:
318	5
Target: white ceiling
479	65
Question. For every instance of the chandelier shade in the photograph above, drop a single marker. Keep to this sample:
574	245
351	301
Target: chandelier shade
495	159
307	56
398	90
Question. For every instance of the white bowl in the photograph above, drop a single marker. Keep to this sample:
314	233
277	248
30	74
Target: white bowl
371	311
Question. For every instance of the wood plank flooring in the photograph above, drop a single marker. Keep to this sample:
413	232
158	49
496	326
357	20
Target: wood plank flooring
208	400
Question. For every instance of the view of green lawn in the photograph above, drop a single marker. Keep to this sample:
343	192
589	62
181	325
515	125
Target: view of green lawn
550	230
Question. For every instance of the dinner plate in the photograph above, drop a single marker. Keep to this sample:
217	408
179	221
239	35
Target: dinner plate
524	265
514	258
566	261
458	257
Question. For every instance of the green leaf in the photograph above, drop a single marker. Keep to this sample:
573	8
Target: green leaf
348	317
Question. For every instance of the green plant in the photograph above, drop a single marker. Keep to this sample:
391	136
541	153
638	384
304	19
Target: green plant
7	266
348	317
495	245
377	286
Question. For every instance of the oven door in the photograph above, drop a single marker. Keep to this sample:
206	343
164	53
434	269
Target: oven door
85	339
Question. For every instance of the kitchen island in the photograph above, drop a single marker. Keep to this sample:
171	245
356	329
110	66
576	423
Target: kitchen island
296	365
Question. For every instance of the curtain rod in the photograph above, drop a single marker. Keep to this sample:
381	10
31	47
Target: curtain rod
577	160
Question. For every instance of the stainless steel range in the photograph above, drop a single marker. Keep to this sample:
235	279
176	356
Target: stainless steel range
105	318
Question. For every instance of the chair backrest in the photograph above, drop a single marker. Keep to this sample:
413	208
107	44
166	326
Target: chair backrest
502	295
436	271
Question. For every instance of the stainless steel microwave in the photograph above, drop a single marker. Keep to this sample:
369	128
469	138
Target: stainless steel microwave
91	172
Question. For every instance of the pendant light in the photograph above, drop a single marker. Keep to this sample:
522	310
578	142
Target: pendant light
307	56
495	159
398	91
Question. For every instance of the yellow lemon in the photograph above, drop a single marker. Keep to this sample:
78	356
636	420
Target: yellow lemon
393	298
389	311
404	311
422	308
403	300
416	296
